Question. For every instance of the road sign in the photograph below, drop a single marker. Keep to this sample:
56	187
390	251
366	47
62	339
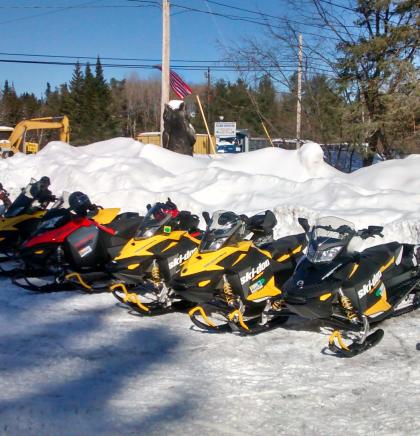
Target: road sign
226	129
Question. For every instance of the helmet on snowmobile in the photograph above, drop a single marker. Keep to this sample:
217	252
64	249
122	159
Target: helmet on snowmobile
79	203
44	182
224	227
157	219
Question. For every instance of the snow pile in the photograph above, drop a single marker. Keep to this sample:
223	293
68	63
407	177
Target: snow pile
125	173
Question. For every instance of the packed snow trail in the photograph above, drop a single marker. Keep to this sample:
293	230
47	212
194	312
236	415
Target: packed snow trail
79	364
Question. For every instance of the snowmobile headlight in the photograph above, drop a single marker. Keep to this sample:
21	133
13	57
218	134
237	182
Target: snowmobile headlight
324	255
213	245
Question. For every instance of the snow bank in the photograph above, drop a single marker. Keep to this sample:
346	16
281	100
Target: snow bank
129	174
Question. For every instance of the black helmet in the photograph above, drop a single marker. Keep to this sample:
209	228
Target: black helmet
79	203
45	180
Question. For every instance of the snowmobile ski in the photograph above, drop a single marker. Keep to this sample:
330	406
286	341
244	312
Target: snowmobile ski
211	317
156	304
337	345
42	284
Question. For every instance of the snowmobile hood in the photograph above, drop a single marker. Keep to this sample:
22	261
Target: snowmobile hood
209	261
8	224
142	247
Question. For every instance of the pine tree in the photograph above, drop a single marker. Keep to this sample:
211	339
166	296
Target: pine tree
90	129
73	103
377	64
106	126
11	105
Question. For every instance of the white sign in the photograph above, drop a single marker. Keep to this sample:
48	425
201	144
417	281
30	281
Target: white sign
227	129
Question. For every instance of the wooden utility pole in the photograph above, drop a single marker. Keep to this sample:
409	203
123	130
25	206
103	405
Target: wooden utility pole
165	61
208	94
299	94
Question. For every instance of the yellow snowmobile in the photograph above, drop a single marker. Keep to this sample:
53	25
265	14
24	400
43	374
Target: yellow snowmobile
146	264
236	273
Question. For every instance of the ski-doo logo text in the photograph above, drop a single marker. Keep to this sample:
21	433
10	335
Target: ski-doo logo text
367	287
254	271
181	258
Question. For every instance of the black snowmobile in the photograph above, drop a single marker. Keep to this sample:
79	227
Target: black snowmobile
353	290
71	248
20	220
236	273
147	263
26	225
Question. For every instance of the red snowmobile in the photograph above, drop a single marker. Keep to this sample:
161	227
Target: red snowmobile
73	254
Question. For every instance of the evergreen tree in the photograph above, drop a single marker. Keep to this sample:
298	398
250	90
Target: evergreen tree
377	64
11	112
73	103
105	122
90	129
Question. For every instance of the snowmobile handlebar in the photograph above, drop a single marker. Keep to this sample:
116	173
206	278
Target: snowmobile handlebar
206	217
370	232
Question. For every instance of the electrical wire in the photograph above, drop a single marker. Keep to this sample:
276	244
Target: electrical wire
254	68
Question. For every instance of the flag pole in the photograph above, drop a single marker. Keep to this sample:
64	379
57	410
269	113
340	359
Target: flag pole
205	123
266	132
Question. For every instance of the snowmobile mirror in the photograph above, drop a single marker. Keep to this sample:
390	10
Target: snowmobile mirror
375	230
206	217
304	224
270	221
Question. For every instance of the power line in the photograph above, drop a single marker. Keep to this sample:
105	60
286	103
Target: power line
253	21
254	68
122	59
64	8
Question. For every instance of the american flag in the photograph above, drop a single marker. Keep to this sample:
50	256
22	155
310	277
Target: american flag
179	87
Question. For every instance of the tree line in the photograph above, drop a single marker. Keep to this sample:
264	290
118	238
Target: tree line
372	98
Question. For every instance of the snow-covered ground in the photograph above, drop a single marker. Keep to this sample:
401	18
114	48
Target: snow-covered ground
78	364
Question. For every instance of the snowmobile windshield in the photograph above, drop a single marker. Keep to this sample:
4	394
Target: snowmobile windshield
154	222
53	219
328	237
22	202
221	230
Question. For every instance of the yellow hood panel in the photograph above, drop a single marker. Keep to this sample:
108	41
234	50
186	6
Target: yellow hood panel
140	247
10	223
105	216
200	262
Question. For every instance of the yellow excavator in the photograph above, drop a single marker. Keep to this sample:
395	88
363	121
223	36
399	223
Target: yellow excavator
17	140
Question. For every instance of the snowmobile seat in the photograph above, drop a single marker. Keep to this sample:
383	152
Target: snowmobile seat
188	221
125	224
285	246
262	223
381	253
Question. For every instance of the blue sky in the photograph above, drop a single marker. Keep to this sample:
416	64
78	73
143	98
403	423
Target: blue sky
113	28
